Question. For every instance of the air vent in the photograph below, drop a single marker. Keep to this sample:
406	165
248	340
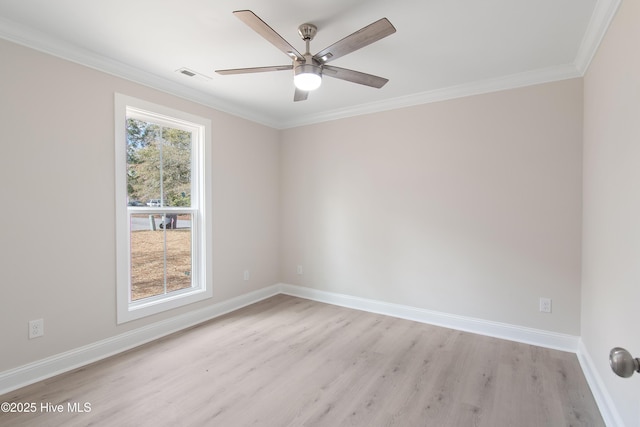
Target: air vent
192	74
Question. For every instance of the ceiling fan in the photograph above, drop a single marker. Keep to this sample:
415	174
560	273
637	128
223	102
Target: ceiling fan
308	69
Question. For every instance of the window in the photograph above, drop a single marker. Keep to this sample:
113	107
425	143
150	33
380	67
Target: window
163	208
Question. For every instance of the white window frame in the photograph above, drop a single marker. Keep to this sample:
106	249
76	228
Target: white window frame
201	209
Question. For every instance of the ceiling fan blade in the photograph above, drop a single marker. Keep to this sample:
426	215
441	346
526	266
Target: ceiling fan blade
361	38
300	95
261	27
354	76
255	69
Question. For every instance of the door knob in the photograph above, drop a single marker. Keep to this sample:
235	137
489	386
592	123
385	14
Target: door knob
622	363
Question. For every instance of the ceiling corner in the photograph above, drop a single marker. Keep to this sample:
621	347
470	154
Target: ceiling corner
601	18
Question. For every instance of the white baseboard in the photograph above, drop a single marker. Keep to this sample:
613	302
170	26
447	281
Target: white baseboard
42	369
521	334
28	374
603	398
506	331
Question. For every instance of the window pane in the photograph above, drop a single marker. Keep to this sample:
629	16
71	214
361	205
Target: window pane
158	165
147	258
176	167
161	259
143	163
178	252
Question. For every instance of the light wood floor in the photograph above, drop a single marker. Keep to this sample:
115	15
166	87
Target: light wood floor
287	361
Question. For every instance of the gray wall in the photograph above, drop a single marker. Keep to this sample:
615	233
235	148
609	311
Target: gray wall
470	206
57	196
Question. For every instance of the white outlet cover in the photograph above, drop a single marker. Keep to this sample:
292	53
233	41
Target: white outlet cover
36	328
545	305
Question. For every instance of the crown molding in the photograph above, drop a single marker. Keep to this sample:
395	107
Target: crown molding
39	41
601	18
512	81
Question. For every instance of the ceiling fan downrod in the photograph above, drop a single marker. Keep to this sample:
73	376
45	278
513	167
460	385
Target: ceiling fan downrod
307	74
308	69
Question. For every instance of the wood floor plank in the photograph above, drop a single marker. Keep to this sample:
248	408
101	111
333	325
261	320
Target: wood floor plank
287	361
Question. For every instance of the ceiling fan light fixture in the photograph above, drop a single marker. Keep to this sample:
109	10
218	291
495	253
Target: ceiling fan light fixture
307	77
308	68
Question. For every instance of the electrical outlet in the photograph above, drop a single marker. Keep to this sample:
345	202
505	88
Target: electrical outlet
247	275
299	269
36	328
545	305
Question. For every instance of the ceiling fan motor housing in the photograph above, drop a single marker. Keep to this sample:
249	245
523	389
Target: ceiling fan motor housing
307	68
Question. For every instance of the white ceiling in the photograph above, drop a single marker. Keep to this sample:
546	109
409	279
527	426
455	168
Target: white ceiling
442	48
